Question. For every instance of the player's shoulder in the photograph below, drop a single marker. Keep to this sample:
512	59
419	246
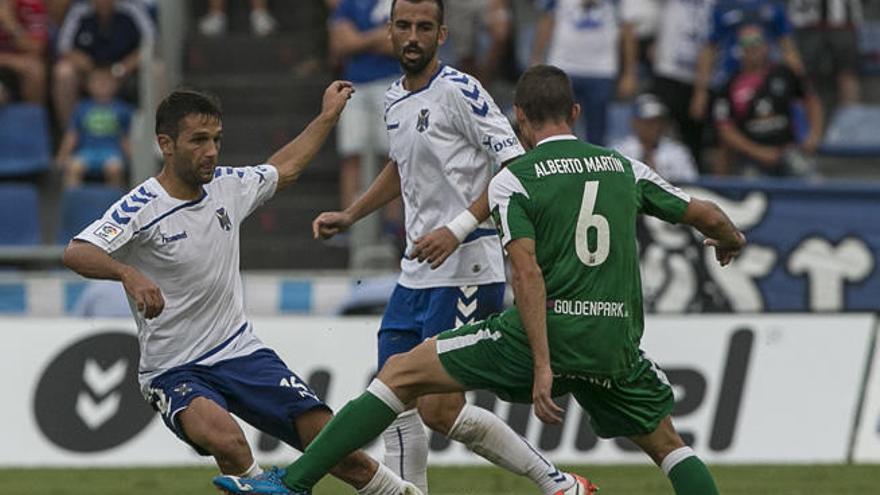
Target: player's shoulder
452	81
228	178
140	205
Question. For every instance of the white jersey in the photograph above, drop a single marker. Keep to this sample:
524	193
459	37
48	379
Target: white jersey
190	249
586	38
684	28
447	139
671	159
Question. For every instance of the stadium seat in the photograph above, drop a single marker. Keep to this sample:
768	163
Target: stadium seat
24	140
19	214
853	132
82	205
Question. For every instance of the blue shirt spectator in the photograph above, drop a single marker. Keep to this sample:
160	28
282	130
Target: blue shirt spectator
730	15
366	15
100	126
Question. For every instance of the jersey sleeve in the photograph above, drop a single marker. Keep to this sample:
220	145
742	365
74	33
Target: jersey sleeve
656	197
509	203
249	187
480	120
118	226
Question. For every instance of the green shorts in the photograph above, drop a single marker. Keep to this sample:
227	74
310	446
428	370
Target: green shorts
484	355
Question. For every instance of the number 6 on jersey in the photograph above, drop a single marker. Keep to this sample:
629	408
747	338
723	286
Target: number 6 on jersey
587	219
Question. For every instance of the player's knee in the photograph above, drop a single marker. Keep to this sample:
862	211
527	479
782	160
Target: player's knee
399	376
228	445
439	415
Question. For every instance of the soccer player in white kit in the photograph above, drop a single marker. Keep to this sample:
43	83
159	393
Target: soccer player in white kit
173	242
445	134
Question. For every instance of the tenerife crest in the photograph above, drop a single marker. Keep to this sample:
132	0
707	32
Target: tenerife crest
423	122
223	218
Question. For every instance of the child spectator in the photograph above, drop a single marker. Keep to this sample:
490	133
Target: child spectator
96	141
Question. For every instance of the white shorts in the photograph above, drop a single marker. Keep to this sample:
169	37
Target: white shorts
361	126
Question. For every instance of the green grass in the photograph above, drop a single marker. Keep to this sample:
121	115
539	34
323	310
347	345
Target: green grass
614	480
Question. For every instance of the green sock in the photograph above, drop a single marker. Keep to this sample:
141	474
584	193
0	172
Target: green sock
692	477
360	421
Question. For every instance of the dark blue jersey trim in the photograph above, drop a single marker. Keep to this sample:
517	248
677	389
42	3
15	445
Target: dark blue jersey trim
173	210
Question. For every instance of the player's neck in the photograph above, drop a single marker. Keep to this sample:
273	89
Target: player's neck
549	130
415	82
176	188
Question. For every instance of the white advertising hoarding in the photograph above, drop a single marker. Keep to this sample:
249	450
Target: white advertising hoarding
747	390
867	440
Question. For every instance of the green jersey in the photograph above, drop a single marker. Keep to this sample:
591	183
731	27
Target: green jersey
579	203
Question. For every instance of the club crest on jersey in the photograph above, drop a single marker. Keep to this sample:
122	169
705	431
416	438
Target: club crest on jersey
423	123
223	218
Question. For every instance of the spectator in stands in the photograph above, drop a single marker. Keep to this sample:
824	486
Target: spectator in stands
359	38
214	22
825	32
96	141
645	17
754	112
467	20
588	40
684	27
726	19
651	144
98	33
23	39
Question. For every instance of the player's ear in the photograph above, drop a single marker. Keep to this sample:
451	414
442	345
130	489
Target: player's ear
166	144
442	33
575	113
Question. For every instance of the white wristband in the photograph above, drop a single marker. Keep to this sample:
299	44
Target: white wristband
462	225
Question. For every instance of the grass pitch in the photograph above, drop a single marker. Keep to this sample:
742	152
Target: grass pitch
613	480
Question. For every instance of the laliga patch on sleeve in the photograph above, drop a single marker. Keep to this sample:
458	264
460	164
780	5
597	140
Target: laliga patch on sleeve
108	231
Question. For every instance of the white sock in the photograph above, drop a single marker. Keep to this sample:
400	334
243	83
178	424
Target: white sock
406	449
384	482
676	456
486	435
253	471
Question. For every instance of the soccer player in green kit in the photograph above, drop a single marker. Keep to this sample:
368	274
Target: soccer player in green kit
566	212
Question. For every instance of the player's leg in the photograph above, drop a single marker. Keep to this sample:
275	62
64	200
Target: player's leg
357	469
264	392
403	379
197	413
212	428
638	406
688	474
405	440
480	430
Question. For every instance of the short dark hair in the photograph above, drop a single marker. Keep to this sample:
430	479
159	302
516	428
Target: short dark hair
544	94
441	10
181	103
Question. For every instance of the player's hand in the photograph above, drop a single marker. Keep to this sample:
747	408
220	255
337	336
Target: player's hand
146	294
330	223
335	97
545	409
725	252
434	247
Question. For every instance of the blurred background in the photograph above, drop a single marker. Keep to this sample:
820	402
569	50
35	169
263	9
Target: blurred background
780	343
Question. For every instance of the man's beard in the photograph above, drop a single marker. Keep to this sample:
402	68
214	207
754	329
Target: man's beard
416	66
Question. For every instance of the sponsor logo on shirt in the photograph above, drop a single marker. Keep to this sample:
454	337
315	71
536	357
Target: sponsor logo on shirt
614	309
166	239
498	144
423	122
108	231
223	218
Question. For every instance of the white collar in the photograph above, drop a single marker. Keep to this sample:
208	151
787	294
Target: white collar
558	137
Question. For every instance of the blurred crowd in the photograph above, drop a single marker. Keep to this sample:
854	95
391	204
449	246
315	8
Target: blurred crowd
690	87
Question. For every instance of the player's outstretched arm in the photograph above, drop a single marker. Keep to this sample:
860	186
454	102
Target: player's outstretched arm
292	159
720	232
91	261
385	187
531	301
